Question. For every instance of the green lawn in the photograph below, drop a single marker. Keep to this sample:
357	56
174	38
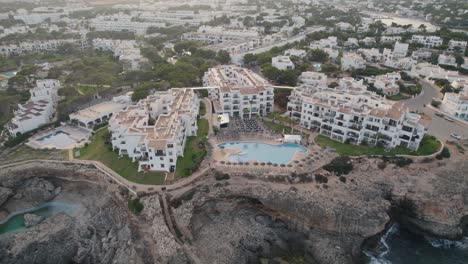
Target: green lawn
277	128
398	97
278	116
194	152
98	150
202	111
429	145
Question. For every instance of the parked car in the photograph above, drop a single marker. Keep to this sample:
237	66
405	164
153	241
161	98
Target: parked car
439	114
449	119
456	136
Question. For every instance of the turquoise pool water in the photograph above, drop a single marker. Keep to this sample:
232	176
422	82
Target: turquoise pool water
263	152
15	221
8	74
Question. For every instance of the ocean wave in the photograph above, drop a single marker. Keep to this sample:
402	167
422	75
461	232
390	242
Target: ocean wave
447	244
383	247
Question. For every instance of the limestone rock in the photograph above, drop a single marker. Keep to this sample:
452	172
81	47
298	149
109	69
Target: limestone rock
31	220
5	193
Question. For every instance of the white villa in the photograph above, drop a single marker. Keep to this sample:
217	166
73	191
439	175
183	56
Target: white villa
352	61
282	63
456	104
238	91
156	146
387	83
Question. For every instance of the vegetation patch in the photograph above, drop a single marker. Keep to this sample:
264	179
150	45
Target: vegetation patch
339	166
194	152
429	145
135	206
444	154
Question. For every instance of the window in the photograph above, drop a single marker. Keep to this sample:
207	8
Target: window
161	158
162	165
171	160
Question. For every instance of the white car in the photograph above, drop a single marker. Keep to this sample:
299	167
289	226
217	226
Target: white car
456	136
449	119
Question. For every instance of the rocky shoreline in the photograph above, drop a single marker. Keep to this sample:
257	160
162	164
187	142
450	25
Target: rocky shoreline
232	219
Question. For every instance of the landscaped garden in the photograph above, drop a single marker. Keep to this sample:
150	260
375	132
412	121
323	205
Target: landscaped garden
194	152
428	146
100	150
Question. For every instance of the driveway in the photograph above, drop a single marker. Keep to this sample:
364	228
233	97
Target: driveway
429	91
438	126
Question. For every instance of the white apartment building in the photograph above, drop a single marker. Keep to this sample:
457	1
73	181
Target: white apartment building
122	22
352	61
352	43
215	35
427	41
358	116
157	146
238	92
447	59
421	54
39	46
127	51
343	26
390	39
38	111
400	50
371	55
330	42
308	83
455	43
456	104
282	63
368	41
333	54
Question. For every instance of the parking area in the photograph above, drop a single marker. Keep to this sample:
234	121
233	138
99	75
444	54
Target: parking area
63	137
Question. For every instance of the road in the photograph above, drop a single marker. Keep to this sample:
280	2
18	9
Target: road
438	126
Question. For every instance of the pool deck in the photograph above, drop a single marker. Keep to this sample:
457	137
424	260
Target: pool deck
312	159
76	136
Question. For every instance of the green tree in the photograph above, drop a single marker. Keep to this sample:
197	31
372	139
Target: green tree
318	55
223	57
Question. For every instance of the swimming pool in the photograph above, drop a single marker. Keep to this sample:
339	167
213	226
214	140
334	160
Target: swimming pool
51	135
262	152
8	74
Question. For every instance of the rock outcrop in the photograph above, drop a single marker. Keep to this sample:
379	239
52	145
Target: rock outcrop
32	220
5	193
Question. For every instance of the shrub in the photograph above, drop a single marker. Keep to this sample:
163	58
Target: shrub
220	176
339	166
445	154
435	103
382	165
135	205
399	161
342	179
320	178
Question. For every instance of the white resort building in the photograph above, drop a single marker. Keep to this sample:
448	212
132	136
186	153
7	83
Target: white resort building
154	131
38	111
350	113
238	92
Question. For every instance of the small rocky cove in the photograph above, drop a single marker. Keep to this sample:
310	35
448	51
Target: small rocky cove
238	218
